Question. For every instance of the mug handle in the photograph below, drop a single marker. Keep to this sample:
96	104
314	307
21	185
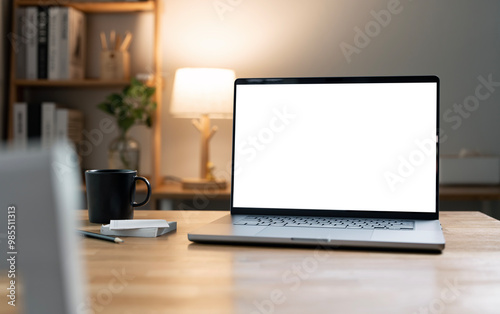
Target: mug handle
134	204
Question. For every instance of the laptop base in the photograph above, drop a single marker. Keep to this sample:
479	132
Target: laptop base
426	236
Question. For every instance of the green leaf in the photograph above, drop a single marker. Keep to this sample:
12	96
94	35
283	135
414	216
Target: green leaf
125	90
126	123
137	113
135	82
106	107
132	106
115	99
149	91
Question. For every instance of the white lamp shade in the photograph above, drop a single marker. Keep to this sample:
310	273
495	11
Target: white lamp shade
200	91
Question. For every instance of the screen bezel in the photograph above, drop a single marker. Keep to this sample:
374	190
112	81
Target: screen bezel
336	212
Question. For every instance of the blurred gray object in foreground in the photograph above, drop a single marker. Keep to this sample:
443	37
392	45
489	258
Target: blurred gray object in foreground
42	185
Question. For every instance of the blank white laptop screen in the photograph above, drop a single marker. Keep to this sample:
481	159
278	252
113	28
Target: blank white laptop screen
339	146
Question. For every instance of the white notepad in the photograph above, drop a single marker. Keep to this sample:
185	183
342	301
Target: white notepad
137	223
146	228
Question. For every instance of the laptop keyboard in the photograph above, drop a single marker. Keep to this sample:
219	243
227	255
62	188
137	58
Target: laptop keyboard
327	222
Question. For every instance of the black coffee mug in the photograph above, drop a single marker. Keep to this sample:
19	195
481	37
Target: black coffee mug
111	194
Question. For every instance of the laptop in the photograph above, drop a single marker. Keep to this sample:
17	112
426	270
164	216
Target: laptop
335	161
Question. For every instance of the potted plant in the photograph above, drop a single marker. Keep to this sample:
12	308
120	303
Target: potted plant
133	106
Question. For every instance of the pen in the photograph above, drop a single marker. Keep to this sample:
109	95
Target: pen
112	39
104	44
126	41
117	42
100	236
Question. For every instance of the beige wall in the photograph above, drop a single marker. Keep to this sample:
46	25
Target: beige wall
456	40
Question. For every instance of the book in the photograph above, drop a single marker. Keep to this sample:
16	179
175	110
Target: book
69	125
43	18
48	124
18	41
110	0
53	51
71	45
20	121
148	232
34	121
31	33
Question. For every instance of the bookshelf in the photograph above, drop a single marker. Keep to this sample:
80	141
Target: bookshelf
96	7
70	83
19	87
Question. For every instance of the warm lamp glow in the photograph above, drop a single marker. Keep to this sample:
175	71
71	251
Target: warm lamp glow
203	93
200	91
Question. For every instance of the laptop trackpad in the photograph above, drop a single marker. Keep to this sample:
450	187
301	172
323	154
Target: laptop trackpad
316	233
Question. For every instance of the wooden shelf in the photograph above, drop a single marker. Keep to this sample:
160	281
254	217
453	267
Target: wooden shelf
469	192
174	190
95	7
71	83
20	88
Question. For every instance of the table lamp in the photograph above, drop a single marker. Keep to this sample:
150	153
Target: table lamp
203	93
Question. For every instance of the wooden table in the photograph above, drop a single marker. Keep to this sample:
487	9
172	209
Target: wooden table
169	274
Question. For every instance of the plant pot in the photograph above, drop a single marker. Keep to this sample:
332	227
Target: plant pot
123	153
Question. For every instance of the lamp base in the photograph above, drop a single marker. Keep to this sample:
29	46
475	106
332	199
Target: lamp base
198	184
